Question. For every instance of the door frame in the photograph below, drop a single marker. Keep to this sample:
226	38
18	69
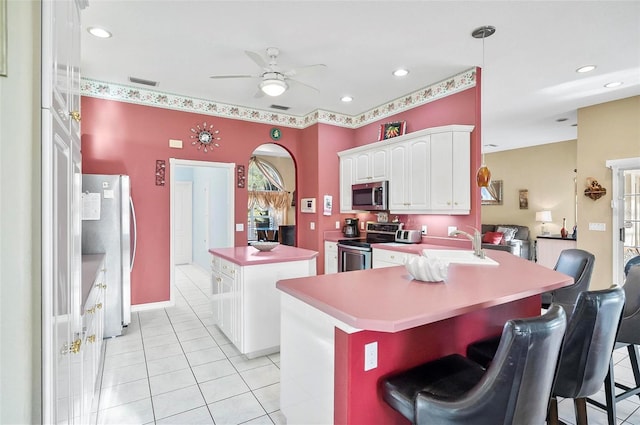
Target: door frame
618	166
186	186
230	202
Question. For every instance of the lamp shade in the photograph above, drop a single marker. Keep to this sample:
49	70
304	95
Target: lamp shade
544	216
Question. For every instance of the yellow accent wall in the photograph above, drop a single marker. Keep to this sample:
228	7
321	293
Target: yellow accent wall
606	131
547	173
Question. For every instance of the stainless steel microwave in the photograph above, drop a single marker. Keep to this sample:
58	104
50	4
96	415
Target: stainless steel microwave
371	196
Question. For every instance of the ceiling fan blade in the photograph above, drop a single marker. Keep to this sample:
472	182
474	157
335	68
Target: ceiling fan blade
305	69
233	76
296	82
257	59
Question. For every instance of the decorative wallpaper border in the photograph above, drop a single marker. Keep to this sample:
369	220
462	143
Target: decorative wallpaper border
123	93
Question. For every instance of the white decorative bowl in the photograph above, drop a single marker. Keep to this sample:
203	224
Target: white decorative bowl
427	269
264	246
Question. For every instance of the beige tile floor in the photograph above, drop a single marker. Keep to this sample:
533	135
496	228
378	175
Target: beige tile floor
174	366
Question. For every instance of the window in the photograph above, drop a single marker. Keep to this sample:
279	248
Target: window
262	211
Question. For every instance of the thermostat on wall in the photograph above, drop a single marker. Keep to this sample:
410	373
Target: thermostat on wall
308	205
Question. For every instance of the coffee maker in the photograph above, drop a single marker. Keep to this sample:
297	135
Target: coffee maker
350	228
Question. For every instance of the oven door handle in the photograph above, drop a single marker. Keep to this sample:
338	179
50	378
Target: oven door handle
356	248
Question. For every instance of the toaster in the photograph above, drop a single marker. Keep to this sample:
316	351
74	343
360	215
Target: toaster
408	236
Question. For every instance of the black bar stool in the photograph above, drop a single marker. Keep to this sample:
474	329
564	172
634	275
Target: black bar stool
629	336
455	390
586	350
578	264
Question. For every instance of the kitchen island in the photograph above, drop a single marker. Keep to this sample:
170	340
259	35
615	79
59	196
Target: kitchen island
329	321
245	300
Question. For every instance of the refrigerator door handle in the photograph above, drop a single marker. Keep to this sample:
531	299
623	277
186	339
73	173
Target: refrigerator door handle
135	233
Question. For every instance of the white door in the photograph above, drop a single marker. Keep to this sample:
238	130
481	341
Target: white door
183	224
626	213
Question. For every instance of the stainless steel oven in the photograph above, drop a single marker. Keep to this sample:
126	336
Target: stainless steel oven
356	254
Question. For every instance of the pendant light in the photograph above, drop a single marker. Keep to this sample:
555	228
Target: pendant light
483	176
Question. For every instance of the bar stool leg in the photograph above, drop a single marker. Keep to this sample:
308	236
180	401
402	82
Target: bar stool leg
610	394
553	412
633	358
580	406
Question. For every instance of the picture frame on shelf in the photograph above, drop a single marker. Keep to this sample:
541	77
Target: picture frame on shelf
392	129
492	194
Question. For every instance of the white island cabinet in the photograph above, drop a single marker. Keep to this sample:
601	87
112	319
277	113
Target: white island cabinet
245	300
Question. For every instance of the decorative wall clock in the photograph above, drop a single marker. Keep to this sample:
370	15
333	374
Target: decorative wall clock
205	137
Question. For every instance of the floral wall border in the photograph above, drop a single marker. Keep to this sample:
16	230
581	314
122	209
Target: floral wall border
123	93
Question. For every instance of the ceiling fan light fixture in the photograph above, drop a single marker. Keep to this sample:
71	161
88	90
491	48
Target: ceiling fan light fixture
273	87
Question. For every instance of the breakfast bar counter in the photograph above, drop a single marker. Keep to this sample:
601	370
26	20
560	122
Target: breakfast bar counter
329	321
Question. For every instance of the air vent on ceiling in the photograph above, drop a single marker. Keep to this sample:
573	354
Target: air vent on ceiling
280	107
143	81
491	145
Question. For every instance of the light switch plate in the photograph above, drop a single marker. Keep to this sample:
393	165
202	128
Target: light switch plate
370	356
337	224
175	143
599	227
239	227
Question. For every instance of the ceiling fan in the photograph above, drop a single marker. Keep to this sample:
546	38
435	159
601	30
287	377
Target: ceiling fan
275	81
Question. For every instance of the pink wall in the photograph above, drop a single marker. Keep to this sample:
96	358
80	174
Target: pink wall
123	138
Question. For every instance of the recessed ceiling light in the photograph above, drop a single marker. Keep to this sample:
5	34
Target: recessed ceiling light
401	72
586	68
99	32
346	98
613	84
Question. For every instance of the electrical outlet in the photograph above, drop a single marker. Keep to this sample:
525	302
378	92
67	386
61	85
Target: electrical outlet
451	229
337	224
312	225
370	356
424	229
362	225
239	227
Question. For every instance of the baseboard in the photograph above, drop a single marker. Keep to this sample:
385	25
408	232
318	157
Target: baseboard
151	306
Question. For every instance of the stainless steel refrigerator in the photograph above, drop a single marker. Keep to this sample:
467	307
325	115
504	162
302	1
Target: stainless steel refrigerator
109	227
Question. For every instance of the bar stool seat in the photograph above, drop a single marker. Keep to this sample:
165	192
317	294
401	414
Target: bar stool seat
455	390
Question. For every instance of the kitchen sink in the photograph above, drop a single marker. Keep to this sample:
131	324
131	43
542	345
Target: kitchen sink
459	256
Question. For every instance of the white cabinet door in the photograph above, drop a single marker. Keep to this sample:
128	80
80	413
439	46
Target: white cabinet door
330	257
371	165
347	167
409	177
62	364
388	258
450	173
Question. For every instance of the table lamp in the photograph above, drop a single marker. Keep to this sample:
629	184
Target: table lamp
543	217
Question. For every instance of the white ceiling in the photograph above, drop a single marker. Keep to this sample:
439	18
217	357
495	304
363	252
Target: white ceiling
530	62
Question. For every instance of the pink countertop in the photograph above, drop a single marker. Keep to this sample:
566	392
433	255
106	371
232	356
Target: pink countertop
249	256
389	300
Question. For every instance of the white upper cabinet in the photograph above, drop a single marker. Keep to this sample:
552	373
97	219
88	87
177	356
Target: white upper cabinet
347	168
409	178
450	172
428	170
371	165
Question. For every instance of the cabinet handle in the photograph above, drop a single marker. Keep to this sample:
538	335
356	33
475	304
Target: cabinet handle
392	257
101	286
91	310
448	202
91	338
75	346
99	306
75	115
218	279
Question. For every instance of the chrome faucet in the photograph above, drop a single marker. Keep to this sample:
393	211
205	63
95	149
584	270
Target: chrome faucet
476	240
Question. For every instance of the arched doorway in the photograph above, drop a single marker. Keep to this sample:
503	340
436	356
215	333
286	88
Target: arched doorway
271	179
